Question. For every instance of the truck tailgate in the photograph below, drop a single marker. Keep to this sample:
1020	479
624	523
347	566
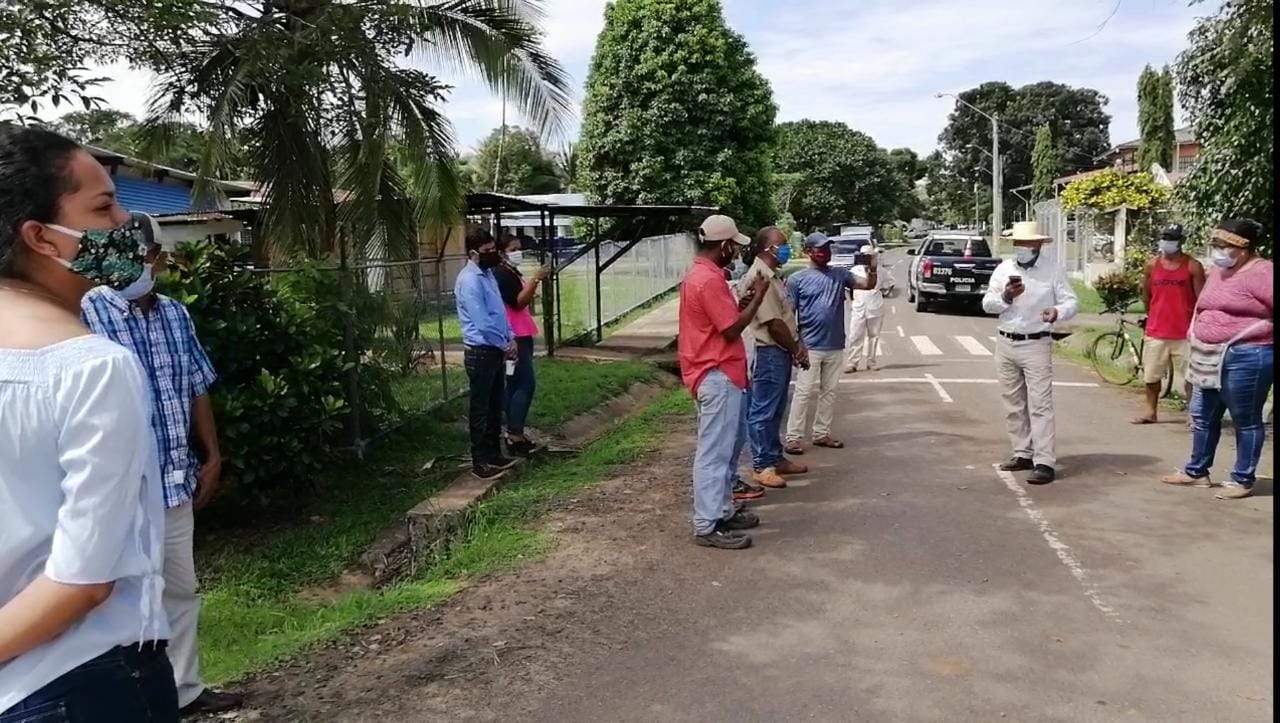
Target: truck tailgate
970	275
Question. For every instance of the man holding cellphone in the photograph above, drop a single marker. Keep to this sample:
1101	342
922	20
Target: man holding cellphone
1030	294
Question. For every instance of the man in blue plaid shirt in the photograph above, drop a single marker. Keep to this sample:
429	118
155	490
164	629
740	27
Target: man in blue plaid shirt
158	330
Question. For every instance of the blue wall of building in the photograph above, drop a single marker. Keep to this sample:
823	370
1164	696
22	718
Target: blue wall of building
136	194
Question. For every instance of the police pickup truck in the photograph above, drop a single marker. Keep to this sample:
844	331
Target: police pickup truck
950	266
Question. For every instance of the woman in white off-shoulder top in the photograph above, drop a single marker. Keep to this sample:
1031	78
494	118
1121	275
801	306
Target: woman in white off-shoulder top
82	630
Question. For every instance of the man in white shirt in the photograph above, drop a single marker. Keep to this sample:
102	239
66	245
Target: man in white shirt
866	315
1030	293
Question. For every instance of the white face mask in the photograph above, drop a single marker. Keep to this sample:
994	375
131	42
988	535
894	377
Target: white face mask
1222	258
1169	248
143	286
515	257
1024	255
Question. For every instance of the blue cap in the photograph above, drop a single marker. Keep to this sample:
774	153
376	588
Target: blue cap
816	240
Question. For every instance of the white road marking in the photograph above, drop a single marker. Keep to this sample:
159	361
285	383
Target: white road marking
925	346
938	388
893	309
926	380
973	346
1058	546
994	339
901	334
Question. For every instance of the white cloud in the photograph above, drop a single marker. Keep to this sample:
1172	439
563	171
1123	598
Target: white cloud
875	64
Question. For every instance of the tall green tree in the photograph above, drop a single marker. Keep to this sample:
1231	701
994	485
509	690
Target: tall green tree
1225	85
842	175
1155	118
676	111
1075	116
182	145
1044	164
522	166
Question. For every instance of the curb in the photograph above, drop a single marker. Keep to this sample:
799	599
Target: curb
434	521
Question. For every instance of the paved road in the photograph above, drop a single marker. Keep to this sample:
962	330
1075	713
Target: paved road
904	579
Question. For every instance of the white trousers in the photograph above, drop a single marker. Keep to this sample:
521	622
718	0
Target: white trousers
182	600
864	336
819	380
1025	369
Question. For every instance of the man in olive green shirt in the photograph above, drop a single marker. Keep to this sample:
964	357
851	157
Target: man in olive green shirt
777	349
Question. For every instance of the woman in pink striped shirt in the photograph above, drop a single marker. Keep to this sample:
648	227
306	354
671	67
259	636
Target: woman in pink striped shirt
1236	308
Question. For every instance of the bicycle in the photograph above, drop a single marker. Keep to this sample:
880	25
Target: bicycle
1117	358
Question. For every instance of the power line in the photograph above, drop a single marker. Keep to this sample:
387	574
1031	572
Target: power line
1098	29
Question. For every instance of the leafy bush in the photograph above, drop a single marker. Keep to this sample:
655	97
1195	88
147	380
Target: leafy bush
1117	290
277	345
1112	188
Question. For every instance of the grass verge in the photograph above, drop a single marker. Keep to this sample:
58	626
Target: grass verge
1076	348
1091	303
254	575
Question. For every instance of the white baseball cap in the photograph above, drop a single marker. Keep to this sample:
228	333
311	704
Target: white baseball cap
722	228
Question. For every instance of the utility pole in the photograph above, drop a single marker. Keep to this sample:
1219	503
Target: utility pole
997	222
976	200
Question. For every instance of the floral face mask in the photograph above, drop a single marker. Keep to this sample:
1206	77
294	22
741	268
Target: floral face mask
109	257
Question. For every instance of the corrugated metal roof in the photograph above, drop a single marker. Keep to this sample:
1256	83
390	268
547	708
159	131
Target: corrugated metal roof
136	194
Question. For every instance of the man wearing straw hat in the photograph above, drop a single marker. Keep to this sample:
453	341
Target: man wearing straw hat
1030	293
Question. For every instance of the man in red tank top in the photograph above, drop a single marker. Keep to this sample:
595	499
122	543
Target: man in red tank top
1171	285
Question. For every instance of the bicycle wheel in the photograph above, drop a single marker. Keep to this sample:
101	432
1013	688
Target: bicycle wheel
1114	358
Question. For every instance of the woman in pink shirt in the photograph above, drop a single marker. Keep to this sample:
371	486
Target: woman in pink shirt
517	295
1235	308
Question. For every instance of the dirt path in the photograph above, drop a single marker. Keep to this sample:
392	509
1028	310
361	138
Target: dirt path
492	651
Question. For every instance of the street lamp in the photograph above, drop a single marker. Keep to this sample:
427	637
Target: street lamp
996	221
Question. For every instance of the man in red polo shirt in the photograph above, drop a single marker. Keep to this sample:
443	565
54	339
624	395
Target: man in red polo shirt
713	363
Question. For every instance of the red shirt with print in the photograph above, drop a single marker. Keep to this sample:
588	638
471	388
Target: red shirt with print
707	308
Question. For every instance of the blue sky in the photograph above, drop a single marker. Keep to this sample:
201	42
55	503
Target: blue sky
876	64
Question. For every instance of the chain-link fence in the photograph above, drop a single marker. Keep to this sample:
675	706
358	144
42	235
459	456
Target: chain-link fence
611	281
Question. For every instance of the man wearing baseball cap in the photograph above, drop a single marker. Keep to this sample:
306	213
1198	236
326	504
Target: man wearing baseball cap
1171	285
818	294
713	365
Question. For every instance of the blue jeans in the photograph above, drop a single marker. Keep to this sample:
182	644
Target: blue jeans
520	387
722	433
1246	378
123	685
769	383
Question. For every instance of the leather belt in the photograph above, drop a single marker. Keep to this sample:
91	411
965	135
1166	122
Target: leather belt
1024	337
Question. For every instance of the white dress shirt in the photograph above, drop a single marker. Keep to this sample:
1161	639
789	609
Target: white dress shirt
868	301
1045	285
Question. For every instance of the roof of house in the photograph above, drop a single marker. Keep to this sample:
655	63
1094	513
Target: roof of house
109	157
1180	135
149	195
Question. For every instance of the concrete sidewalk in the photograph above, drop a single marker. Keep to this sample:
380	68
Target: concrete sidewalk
653	333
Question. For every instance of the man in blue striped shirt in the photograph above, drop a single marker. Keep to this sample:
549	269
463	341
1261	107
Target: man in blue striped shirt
486	332
159	331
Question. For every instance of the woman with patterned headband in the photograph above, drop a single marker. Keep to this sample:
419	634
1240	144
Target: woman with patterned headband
1232	357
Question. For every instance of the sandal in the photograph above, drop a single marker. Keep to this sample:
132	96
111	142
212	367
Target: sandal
829	443
1142	420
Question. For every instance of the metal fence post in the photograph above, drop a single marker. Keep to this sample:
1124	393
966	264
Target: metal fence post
350	355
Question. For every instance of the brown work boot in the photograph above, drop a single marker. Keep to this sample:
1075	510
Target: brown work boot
786	466
768	477
1182	479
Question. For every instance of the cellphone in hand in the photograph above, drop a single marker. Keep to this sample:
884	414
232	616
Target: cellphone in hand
1015	279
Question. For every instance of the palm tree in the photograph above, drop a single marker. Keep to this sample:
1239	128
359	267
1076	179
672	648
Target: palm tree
330	115
567	167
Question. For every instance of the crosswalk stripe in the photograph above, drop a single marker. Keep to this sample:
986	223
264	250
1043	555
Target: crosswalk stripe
973	346
925	346
994	340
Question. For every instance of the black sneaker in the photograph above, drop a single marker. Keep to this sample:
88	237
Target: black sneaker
525	448
743	492
723	539
504	462
1042	475
487	471
1017	464
210	702
741	520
